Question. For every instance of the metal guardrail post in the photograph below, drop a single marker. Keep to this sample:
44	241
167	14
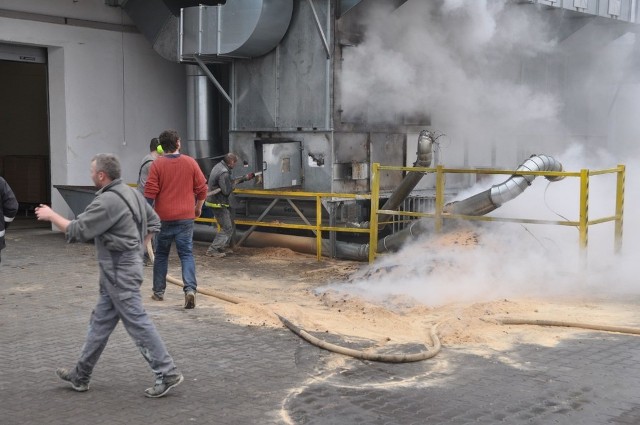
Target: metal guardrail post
439	197
318	227
617	244
584	212
373	220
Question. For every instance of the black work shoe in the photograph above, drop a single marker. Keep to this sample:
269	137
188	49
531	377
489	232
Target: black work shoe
162	387
157	297
190	299
65	375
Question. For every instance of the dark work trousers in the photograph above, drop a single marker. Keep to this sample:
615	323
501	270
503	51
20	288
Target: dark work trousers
227	227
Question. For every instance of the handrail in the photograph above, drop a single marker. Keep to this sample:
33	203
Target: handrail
317	228
439	215
582	223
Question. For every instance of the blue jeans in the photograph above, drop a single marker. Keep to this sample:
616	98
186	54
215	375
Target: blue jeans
180	231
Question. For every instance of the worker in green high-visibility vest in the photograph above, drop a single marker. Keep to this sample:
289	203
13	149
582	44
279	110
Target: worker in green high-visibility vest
219	192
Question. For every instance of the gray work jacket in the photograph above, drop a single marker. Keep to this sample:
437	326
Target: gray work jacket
117	224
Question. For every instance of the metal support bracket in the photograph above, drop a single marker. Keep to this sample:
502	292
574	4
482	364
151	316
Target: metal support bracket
212	78
319	27
252	228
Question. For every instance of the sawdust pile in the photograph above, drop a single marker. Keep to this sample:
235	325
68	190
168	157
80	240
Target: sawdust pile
278	281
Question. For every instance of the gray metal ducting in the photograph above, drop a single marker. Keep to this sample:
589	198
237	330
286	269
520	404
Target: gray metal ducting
346	5
240	28
482	203
424	157
491	199
201	119
158	21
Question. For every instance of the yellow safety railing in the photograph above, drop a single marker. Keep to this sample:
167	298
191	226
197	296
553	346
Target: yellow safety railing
318	228
439	215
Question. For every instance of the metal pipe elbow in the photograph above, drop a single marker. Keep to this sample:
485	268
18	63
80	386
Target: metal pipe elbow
516	184
424	153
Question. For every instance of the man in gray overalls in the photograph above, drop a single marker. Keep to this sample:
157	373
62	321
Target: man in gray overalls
121	222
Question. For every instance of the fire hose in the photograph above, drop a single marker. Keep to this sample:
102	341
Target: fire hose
358	354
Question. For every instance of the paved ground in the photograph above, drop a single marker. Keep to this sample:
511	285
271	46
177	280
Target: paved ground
254	375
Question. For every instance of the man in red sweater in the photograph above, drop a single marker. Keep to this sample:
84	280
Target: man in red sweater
177	188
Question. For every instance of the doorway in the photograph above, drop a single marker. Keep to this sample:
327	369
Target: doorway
24	120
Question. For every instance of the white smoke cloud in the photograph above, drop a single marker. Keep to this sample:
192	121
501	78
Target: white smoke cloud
454	61
461	61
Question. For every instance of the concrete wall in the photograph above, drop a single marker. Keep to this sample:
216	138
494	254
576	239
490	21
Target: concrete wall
109	91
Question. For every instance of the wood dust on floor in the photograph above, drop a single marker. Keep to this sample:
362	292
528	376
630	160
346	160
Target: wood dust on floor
272	281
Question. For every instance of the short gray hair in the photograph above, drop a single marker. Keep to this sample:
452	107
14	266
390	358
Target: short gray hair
230	157
109	164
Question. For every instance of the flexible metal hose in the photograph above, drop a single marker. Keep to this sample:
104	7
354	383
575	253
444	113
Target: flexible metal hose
605	328
363	355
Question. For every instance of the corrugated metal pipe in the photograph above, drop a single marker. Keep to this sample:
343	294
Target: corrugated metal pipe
424	156
487	201
480	204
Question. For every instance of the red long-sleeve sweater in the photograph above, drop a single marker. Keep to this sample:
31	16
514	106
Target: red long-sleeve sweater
174	183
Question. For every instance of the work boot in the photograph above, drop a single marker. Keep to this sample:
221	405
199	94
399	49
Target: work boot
157	297
162	386
189	299
66	376
215	253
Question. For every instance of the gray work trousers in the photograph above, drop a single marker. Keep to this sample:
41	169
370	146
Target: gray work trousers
227	224
119	299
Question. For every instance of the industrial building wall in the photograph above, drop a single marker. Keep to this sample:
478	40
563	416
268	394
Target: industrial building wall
109	91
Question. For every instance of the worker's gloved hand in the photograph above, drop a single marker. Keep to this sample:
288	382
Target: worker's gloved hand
245	178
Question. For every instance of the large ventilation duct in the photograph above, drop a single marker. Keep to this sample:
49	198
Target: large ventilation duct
240	28
245	28
158	21
201	113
